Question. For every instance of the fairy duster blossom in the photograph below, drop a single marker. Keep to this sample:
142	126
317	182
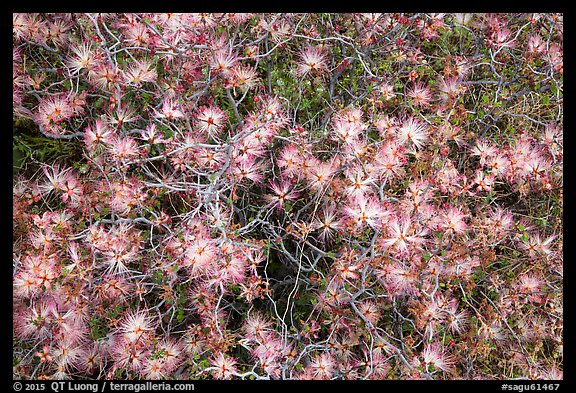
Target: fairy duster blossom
136	325
365	211
412	131
312	60
210	120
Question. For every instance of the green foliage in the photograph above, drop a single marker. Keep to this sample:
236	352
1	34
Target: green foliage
31	148
97	328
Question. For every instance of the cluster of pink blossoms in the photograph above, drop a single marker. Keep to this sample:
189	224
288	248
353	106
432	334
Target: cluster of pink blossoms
288	196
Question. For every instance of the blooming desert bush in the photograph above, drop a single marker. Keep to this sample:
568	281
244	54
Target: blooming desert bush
287	196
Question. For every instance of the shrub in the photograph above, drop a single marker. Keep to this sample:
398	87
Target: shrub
288	196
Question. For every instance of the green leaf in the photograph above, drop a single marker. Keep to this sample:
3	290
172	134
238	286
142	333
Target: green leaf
554	88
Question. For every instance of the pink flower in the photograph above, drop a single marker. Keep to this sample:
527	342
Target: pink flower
412	131
365	211
452	221
230	269
484	182
44	355
208	158
250	146
289	160
457	321
389	161
140	72
378	362
52	111
170	352
123	148
370	311
72	191
25	284
222	62
327	222
402	234
56	178
151	135
200	254
126	354
449	88
530	285
99	133
386	125
137	325
535	246
21	25
249	169
386	91
34	322
256	326
346	269
136	33
483	149
434	355
154	369
268	351
114	288
556	55
118	260
321	173
283	191
71	325
502	38
223	366
169	110
498	164
211	120
244	78
90	358
535	44
272	110
345	131
352	116
420	94
104	76
67	354
359	183
312	61
322	366
83	58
